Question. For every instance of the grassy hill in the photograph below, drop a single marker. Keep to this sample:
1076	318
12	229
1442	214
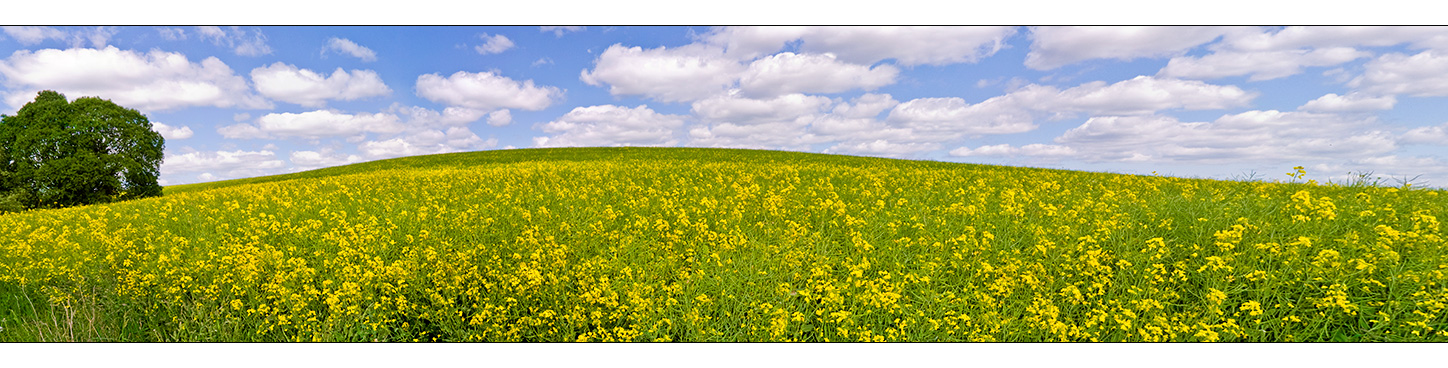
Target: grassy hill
682	244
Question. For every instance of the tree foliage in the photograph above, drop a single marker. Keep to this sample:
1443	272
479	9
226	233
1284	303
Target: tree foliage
55	153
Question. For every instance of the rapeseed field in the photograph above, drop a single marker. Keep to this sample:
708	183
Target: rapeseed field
673	244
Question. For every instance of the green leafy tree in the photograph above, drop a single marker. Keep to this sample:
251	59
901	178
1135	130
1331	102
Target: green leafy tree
55	153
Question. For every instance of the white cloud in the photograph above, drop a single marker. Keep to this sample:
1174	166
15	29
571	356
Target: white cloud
493	44
831	60
1262	65
796	121
1436	135
744	43
881	147
1264	136
1424	74
308	88
241	131
868	105
609	125
325	123
30	35
171	34
1352	102
1298	37
1019	110
231	163
785	135
347	47
426	142
1143	95
788	72
171	132
1054	47
684	73
560	30
857	119
307	160
1393	169
242	42
867	45
485	91
1033	150
953	115
733	109
154	80
449	117
241	117
500	118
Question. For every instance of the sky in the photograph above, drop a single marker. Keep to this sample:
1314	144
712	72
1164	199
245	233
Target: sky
1210	102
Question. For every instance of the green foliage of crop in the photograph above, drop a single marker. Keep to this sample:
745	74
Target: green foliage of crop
671	244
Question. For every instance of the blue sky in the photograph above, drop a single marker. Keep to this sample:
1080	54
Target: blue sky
1189	101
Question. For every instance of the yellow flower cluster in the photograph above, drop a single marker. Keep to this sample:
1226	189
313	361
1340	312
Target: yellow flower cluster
794	247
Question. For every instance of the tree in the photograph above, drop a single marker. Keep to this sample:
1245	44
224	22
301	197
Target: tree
55	153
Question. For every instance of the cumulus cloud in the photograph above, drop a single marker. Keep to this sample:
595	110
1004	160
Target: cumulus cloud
241	41
1436	135
229	163
304	87
172	132
788	72
1424	74
500	118
954	115
738	110
609	125
560	30
154	80
448	117
1299	37
171	34
882	147
797	121
31	35
486	91
855	119
684	73
1054	47
830	60
241	131
1351	102
314	125
426	142
307	160
1275	52
1428	171
1140	95
1018	111
1035	150
493	44
347	47
866	45
1262	65
784	135
734	121
1249	136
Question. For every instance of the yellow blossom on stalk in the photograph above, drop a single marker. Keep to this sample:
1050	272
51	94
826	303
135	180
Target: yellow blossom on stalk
654	244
